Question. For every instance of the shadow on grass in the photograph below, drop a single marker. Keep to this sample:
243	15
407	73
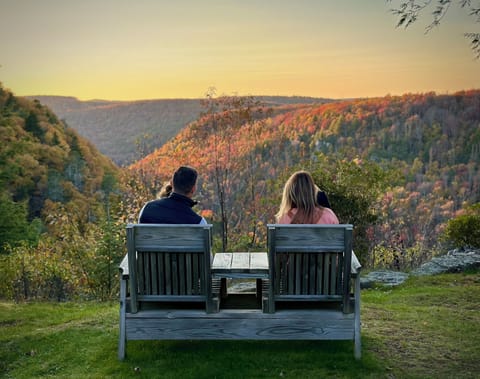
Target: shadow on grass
249	359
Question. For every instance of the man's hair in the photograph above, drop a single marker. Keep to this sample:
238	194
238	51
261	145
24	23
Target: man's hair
184	180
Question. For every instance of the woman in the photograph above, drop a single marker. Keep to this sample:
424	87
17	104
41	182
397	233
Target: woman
299	204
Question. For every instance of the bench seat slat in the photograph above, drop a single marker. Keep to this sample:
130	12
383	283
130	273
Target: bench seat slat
230	325
167	298
241	261
259	260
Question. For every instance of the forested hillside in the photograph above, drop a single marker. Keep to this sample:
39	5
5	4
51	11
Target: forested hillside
42	159
431	141
55	204
397	167
128	130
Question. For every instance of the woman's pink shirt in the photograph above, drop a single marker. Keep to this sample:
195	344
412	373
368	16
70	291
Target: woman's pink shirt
328	217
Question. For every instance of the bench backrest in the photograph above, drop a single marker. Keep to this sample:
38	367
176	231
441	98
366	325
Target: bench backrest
309	263
169	263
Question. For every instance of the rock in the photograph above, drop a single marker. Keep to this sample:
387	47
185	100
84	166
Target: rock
384	277
457	260
241	286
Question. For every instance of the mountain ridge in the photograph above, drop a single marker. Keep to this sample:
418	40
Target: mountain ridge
127	130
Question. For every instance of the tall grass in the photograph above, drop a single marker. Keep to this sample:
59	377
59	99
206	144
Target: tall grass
427	327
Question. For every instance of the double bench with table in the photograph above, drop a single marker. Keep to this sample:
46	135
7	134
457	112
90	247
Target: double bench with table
305	286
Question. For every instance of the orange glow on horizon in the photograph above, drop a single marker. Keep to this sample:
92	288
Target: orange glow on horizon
123	51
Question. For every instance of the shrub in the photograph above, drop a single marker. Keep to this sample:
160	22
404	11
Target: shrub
39	272
68	267
464	230
396	258
353	187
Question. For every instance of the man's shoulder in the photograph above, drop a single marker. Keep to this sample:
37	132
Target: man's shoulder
163	200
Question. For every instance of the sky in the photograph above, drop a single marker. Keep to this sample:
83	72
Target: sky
156	49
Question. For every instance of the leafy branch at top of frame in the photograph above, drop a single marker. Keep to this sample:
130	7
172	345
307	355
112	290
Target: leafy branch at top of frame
409	11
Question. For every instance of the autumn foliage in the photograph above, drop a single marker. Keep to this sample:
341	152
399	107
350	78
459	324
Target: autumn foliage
430	143
398	168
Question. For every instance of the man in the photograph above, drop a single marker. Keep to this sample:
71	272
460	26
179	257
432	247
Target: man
176	208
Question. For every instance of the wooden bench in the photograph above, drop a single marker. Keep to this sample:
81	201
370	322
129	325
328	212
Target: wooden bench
167	293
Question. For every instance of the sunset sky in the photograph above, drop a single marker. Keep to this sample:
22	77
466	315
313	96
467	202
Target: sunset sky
152	49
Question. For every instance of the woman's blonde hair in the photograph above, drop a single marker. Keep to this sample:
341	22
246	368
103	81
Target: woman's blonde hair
166	190
299	192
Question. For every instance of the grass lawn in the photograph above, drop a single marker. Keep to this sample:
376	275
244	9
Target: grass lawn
429	327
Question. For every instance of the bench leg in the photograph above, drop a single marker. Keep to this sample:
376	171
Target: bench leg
268	305
223	288
259	288
358	338
122	336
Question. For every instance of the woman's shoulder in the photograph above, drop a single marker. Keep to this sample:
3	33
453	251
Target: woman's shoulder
329	211
286	218
328	217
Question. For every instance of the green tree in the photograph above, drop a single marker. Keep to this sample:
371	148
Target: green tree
353	188
32	125
14	226
109	251
464	230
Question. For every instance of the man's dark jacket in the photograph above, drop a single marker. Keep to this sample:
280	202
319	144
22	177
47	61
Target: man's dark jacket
175	209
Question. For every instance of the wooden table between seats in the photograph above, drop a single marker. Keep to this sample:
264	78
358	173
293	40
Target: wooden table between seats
240	265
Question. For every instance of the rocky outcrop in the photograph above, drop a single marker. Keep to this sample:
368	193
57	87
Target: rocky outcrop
383	277
457	260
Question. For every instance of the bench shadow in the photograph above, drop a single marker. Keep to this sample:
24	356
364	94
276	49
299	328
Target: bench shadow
253	359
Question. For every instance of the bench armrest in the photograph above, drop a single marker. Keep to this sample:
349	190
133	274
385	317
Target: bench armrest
124	267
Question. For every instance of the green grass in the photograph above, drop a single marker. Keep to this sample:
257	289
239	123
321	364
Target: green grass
425	328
